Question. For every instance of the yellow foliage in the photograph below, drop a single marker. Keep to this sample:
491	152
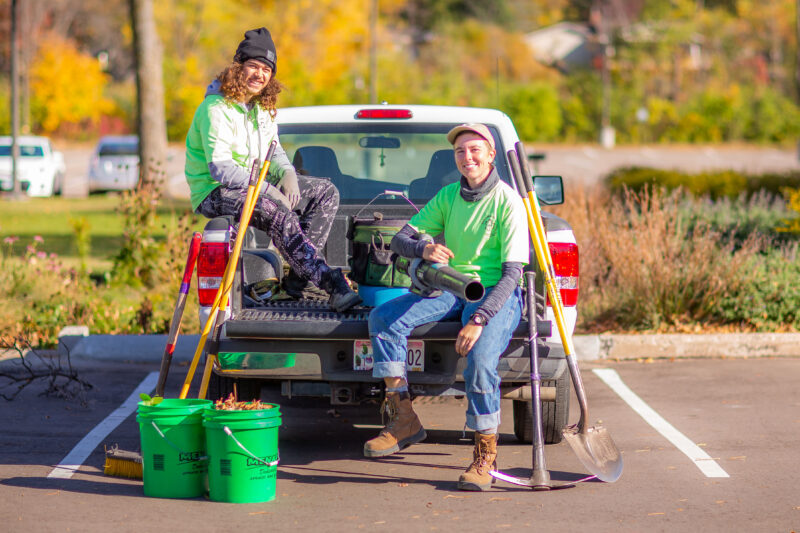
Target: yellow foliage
792	225
322	44
66	85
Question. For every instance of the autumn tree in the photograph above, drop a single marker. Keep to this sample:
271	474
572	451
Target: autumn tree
66	87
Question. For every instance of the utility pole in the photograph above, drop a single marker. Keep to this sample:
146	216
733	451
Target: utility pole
17	185
373	53
599	18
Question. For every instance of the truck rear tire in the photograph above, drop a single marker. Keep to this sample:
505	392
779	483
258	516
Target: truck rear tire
555	415
220	387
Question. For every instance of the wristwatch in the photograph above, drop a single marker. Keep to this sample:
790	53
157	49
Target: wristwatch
478	320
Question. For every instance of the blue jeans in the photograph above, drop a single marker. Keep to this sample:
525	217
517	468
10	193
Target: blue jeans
391	323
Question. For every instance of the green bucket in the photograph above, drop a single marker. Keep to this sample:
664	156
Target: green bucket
173	448
243	454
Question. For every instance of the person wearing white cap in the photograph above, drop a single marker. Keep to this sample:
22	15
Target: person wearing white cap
486	236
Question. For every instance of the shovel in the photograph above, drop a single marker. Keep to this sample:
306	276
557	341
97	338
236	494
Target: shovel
593	445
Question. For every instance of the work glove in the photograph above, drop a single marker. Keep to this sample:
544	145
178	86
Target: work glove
272	192
290	188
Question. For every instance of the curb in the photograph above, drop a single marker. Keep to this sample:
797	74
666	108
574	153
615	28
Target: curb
680	345
150	348
126	348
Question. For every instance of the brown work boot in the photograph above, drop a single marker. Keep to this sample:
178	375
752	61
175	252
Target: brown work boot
484	459
403	429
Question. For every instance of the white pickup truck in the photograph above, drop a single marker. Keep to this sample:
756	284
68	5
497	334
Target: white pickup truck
301	348
40	168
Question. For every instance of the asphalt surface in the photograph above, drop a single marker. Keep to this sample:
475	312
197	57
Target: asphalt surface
742	414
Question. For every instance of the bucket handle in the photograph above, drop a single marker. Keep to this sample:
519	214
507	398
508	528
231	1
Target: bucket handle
229	433
201	458
387	193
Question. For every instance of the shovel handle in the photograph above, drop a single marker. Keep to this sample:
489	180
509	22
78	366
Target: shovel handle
230	271
539	239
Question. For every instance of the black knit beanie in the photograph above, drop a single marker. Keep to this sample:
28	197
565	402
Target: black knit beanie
257	45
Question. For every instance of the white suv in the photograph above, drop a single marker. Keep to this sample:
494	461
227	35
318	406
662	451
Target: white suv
40	168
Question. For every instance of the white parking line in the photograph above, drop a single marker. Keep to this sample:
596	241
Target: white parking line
81	451
701	459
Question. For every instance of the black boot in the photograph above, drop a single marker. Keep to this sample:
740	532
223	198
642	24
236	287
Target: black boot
342	296
299	289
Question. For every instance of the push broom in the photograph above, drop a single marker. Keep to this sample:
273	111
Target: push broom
123	463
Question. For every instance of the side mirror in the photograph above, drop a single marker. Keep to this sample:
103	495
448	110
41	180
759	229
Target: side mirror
549	189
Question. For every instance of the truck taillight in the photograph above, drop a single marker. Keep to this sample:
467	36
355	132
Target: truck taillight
565	264
211	263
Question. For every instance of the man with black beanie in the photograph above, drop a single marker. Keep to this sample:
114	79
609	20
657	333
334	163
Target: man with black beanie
257	44
234	126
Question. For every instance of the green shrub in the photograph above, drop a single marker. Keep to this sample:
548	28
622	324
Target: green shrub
40	292
737	219
775	118
769	297
83	240
39	295
713	183
535	110
580	100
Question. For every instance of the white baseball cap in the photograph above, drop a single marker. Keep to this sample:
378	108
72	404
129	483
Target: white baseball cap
478	129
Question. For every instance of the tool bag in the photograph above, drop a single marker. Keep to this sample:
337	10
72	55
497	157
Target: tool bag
371	259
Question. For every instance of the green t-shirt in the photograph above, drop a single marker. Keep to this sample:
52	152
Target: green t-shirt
482	235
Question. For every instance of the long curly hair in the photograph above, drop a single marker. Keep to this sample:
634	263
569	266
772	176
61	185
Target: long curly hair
233	88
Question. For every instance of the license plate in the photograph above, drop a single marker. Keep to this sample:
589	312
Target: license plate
363	360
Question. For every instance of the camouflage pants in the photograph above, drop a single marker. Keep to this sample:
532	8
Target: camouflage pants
296	234
319	201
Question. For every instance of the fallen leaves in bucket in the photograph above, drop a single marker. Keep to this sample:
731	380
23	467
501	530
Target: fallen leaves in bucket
231	404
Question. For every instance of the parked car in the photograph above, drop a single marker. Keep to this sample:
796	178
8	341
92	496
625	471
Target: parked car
40	168
115	164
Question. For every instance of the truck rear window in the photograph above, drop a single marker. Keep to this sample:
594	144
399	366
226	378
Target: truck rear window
363	160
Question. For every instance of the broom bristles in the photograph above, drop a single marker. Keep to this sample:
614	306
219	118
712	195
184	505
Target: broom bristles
122	463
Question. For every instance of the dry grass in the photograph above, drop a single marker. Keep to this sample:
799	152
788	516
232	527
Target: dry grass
645	266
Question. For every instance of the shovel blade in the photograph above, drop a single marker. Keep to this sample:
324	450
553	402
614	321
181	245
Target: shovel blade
596	451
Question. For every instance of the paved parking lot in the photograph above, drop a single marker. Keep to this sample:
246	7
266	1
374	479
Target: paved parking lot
742	414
